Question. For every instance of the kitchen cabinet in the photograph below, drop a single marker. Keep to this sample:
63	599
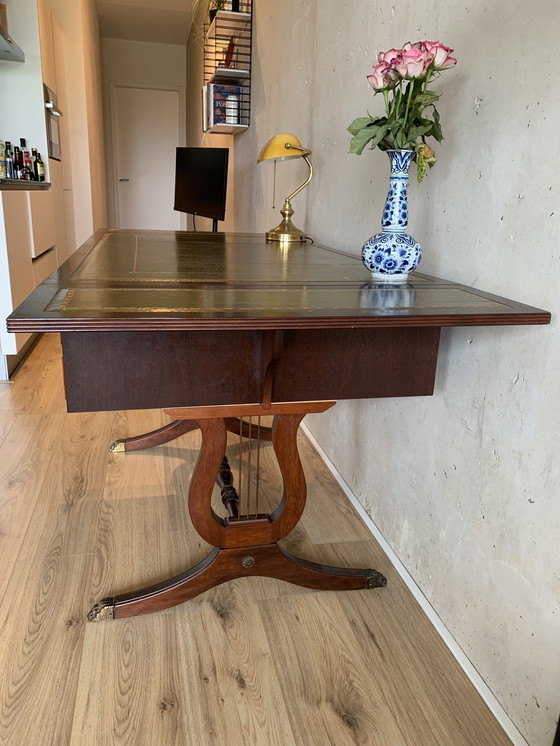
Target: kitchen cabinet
41	220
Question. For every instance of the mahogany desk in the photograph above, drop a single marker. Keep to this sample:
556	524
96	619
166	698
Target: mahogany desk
220	329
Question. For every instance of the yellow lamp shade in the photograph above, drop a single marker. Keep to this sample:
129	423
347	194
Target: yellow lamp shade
281	147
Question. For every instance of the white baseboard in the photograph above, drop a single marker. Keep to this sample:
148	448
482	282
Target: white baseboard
477	681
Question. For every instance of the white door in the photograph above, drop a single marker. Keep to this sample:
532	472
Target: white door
146	135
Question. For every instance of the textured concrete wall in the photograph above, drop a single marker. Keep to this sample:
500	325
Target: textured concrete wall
465	485
281	101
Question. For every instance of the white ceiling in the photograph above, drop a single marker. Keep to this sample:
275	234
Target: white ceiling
164	21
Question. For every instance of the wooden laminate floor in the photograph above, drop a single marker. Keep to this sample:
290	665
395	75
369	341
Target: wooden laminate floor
254	661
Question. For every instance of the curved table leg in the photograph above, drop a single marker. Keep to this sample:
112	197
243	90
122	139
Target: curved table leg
175	429
157	437
222	565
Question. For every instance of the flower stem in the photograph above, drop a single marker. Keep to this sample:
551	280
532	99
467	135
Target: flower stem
386	97
408	100
427	80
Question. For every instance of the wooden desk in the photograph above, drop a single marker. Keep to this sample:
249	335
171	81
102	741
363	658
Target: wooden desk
221	329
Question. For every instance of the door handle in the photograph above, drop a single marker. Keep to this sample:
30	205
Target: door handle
124	179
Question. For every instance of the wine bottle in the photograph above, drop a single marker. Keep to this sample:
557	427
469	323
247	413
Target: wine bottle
25	152
9	161
40	168
18	162
34	174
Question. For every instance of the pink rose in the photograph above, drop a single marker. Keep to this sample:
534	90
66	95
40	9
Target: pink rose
413	63
389	57
383	76
439	54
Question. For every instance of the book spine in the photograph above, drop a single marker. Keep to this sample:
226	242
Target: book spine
217	102
210	100
204	108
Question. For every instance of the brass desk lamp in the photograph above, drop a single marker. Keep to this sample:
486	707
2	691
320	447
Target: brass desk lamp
280	148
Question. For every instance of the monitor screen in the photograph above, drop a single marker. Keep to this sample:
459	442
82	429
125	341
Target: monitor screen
201	181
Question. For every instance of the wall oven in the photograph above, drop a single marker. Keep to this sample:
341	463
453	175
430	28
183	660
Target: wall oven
52	116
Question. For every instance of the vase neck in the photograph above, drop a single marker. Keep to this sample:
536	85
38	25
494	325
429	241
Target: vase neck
395	214
400	163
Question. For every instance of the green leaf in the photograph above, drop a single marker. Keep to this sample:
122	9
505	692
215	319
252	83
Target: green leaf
370	133
361	139
417	131
436	129
388	141
359	124
401	140
379	135
427	98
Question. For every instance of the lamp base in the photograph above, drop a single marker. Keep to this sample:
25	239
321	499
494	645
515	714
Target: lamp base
286	232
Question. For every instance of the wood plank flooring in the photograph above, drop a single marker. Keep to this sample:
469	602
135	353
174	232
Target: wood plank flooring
254	661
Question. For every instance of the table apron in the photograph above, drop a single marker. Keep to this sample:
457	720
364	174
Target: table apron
107	371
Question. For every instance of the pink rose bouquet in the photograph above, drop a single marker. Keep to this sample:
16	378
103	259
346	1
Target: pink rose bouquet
403	76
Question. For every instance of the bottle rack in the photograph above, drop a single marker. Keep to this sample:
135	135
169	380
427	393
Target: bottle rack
227	62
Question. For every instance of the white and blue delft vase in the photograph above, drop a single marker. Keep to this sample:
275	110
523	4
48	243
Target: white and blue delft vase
393	253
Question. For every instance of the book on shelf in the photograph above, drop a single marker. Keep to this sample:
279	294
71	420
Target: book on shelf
204	108
220	111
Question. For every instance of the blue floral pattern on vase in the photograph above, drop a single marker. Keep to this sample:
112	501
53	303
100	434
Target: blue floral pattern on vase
393	253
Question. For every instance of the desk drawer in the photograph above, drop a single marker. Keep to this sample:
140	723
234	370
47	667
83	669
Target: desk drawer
143	370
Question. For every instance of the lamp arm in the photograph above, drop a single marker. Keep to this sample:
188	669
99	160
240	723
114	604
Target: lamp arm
305	183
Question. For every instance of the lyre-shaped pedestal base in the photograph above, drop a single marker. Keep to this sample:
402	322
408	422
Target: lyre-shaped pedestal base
221	565
245	546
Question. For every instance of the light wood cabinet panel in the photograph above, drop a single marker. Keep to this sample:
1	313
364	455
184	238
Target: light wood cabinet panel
16	279
58	41
42	221
46	41
61	240
70	222
18	243
44	266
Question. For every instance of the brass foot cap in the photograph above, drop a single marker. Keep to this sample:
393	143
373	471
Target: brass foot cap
375	579
103	610
117	447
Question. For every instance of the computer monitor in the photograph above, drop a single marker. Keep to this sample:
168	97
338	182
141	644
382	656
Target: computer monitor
201	182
